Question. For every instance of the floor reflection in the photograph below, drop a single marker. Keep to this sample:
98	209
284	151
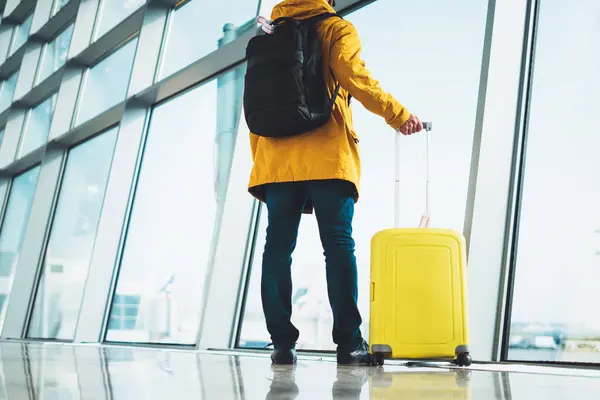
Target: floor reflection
54	371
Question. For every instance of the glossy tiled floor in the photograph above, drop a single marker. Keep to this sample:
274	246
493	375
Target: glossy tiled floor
56	372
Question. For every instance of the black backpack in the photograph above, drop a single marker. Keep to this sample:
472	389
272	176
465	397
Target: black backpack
285	92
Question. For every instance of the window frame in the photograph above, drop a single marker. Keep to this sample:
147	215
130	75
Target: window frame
49	223
43	52
26	122
85	76
11	49
516	194
5	200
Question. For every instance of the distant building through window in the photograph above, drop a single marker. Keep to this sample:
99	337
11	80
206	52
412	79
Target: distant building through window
124	312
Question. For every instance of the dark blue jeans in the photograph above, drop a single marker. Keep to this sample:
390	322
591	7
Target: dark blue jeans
333	202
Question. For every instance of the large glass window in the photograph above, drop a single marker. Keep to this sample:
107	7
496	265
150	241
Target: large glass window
212	24
114	11
8	91
12	230
38	124
429	33
72	238
106	83
555	306
21	34
176	215
58	5
55	54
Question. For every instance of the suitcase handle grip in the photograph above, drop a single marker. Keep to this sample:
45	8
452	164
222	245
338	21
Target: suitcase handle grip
427	127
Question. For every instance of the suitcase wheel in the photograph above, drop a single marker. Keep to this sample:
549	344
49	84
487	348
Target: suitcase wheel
464	360
377	359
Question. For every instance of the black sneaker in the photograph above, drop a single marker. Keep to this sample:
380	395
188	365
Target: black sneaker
359	356
283	356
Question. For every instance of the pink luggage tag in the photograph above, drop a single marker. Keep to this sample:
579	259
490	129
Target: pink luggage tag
266	25
425	221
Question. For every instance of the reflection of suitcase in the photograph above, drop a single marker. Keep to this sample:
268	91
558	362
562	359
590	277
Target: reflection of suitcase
418	290
421	385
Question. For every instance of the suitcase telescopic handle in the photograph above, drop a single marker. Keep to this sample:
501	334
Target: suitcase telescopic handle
427	127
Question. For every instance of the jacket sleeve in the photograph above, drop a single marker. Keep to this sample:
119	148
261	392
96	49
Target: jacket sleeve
350	70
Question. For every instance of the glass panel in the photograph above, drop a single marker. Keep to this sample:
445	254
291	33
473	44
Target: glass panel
8	91
106	83
72	238
55	54
21	34
164	262
58	4
426	91
113	12
13	227
555	308
221	22
1	137
38	126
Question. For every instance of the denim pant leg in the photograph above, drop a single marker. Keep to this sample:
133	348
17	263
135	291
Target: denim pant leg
285	202
333	202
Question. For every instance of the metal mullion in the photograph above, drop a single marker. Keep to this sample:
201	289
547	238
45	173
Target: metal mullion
112	227
46	238
36	235
517	179
10	143
5	186
247	274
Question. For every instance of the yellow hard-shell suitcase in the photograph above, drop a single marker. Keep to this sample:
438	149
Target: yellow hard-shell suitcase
418	290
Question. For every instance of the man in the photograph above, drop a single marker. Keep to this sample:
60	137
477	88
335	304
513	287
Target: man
320	170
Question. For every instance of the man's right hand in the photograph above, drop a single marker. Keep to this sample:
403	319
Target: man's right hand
413	125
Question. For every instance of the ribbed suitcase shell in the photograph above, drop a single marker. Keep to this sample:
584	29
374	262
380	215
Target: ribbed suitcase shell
418	294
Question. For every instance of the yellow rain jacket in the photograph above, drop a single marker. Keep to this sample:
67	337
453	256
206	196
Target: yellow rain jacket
331	151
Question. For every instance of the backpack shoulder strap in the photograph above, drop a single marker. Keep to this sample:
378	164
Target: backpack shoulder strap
285	19
313	21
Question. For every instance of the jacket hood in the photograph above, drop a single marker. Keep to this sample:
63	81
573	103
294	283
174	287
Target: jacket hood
301	9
